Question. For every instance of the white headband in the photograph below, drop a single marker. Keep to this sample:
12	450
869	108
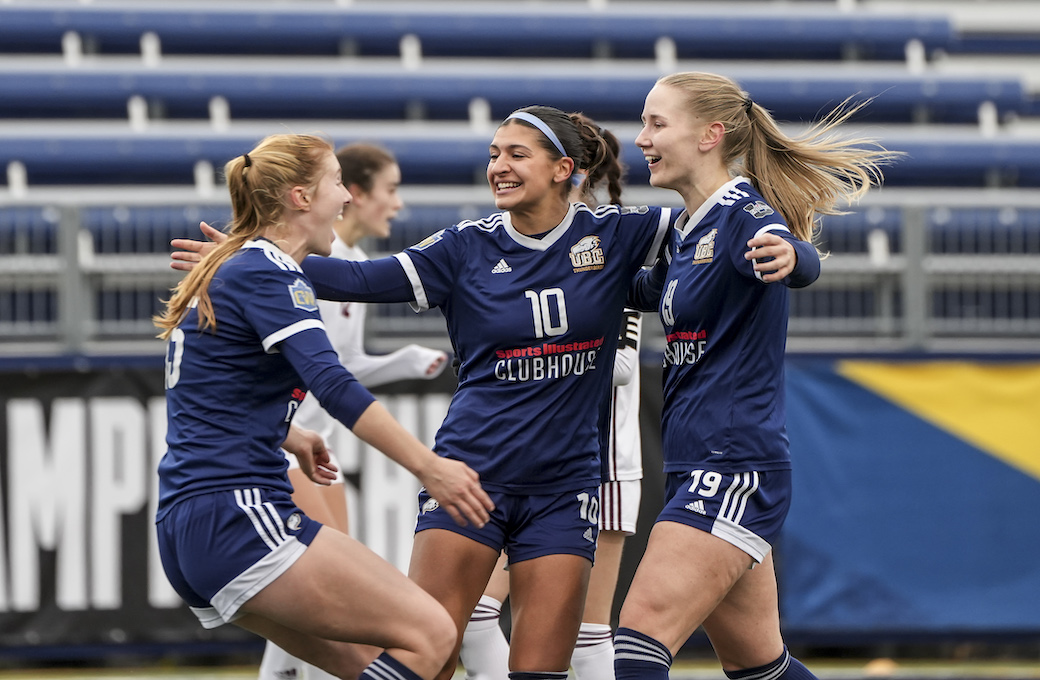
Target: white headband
576	177
540	124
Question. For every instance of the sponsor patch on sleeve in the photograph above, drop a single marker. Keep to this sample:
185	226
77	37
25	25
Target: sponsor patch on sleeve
758	209
429	241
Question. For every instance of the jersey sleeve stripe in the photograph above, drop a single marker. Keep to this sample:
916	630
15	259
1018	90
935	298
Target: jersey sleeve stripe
663	226
769	227
290	330
421	303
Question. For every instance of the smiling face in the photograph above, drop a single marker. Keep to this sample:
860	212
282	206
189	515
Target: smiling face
522	174
374	209
670	139
326	198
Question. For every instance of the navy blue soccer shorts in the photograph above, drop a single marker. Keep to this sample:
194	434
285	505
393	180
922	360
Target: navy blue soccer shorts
222	548
527	526
746	509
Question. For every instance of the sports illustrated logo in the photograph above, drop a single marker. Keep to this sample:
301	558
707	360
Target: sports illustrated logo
429	506
429	241
588	535
586	255
302	296
758	210
294	522
696	506
705	248
501	268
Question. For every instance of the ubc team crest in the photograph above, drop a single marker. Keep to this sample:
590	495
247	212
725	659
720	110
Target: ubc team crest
587	255
705	248
302	296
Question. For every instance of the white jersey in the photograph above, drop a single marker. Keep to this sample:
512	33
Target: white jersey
624	453
345	324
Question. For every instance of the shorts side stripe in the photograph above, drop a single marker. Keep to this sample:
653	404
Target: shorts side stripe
249	501
735	501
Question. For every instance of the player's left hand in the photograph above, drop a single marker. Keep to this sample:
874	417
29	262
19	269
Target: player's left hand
773	256
312	454
192	251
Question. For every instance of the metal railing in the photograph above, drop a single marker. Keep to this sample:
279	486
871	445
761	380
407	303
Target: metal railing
908	270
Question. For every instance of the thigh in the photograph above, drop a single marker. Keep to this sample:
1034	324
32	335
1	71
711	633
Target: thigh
684	574
452	568
341	659
340	590
547	597
745	627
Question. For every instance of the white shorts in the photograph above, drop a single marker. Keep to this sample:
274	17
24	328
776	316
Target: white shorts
294	464
619	505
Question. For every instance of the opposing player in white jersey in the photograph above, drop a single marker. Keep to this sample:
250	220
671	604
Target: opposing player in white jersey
484	650
533	299
708	561
244	342
372	176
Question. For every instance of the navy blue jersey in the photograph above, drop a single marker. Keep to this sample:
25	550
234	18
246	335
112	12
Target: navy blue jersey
231	392
534	323
726	333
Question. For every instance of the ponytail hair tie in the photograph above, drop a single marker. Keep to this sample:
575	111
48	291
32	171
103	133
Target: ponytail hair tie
248	161
748	104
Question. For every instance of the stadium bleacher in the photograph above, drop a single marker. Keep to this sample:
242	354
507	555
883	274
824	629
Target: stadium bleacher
117	115
562	29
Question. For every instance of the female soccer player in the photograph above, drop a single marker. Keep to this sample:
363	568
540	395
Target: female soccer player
372	177
244	339
484	650
707	562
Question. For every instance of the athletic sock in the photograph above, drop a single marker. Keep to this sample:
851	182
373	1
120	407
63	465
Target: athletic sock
639	657
485	652
314	673
593	656
785	668
278	664
386	667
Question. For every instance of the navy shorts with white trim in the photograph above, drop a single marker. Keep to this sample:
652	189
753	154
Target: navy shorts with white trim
222	548
526	526
746	509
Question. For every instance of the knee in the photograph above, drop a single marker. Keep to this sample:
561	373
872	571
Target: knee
437	636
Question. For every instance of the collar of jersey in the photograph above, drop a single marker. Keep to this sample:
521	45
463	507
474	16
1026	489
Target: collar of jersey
691	221
273	251
545	242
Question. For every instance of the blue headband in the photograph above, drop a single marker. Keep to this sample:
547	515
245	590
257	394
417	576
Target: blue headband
576	177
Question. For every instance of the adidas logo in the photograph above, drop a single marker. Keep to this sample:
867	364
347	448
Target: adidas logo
696	506
588	535
501	268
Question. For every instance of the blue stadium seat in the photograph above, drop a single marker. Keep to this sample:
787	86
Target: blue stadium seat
28	230
147	229
460	158
699	30
334	91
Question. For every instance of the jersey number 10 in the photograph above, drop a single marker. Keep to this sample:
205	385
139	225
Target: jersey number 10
549	310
